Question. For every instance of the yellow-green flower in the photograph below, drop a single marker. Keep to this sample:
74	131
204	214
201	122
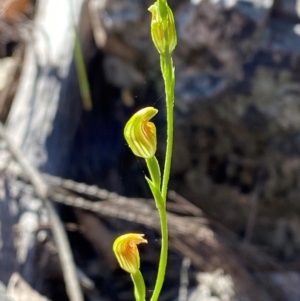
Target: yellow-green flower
140	134
163	29
127	253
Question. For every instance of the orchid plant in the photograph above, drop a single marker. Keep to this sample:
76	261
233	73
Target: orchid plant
140	135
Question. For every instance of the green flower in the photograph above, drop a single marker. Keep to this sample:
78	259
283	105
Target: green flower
127	253
140	134
163	29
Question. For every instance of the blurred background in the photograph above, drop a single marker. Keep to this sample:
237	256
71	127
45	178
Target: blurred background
235	181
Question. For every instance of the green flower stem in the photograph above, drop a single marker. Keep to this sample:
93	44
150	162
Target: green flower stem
139	286
163	254
162	20
169	77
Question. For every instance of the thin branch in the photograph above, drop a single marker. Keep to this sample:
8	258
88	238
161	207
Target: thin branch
184	279
60	237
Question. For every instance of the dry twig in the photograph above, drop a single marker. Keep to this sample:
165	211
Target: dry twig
59	233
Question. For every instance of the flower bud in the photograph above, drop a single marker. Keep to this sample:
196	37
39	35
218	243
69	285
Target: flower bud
163	29
140	134
127	252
